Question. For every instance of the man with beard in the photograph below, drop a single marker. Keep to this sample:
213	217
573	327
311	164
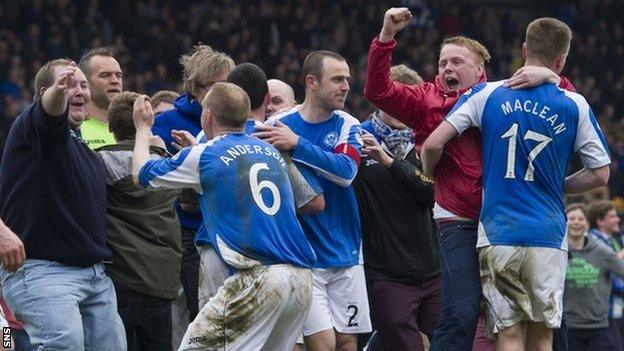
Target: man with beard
106	81
53	195
324	137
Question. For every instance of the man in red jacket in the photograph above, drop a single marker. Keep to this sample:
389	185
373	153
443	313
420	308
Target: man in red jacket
458	175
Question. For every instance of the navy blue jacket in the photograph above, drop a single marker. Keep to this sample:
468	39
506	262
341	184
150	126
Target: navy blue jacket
186	115
53	190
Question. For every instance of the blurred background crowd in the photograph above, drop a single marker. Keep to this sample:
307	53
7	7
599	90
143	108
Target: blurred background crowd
150	35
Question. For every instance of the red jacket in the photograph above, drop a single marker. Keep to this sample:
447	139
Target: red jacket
423	107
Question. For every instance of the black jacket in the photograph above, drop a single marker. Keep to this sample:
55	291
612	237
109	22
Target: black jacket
399	235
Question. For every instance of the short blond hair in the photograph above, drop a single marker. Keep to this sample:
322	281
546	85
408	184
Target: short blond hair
547	39
405	75
203	60
481	52
229	105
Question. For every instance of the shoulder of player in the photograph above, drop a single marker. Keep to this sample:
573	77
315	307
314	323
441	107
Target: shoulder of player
346	117
281	116
577	98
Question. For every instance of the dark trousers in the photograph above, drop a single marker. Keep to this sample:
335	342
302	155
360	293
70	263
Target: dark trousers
461	287
560	337
617	329
189	273
600	339
146	319
401	311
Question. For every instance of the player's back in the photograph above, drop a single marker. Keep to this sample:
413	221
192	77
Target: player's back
247	202
529	137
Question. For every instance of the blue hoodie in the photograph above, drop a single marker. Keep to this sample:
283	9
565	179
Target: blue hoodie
186	115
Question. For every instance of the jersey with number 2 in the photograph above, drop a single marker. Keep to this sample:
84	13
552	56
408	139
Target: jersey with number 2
529	137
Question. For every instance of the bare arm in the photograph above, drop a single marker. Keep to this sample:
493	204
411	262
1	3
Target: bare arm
586	179
143	117
434	146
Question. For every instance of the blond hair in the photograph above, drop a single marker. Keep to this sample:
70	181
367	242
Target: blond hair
405	75
229	105
481	53
203	61
547	39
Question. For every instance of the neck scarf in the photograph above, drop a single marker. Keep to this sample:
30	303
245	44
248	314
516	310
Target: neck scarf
398	141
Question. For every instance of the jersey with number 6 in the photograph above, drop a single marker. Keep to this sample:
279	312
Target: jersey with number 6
529	137
245	198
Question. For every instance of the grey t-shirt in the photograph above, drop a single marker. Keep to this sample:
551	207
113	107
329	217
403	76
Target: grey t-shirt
588	284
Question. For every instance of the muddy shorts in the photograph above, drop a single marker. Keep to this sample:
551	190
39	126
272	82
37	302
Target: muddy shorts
339	301
522	284
262	308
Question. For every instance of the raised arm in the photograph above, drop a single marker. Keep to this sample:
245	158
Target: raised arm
397	99
56	98
143	117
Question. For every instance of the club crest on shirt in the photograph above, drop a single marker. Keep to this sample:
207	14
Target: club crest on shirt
330	139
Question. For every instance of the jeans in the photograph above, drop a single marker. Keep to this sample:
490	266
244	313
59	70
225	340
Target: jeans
65	307
461	287
189	274
147	320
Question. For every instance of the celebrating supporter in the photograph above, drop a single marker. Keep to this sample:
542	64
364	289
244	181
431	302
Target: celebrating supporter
524	299
53	195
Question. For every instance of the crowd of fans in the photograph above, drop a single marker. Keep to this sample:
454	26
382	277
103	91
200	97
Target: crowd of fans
150	36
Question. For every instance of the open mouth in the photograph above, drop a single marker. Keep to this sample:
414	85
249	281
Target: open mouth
113	91
77	103
452	82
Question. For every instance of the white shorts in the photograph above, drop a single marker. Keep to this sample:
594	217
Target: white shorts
212	273
262	308
523	284
339	301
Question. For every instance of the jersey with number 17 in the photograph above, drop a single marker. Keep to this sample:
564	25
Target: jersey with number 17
529	137
245	197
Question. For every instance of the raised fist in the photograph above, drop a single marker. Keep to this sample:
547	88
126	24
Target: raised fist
395	19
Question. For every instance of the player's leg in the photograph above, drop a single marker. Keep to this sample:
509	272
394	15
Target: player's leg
248	309
543	273
318	330
511	339
348	304
538	337
212	273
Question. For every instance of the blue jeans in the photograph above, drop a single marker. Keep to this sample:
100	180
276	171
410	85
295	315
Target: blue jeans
65	307
461	287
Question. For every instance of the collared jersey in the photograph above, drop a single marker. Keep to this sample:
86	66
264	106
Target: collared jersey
529	137
332	149
96	133
245	198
